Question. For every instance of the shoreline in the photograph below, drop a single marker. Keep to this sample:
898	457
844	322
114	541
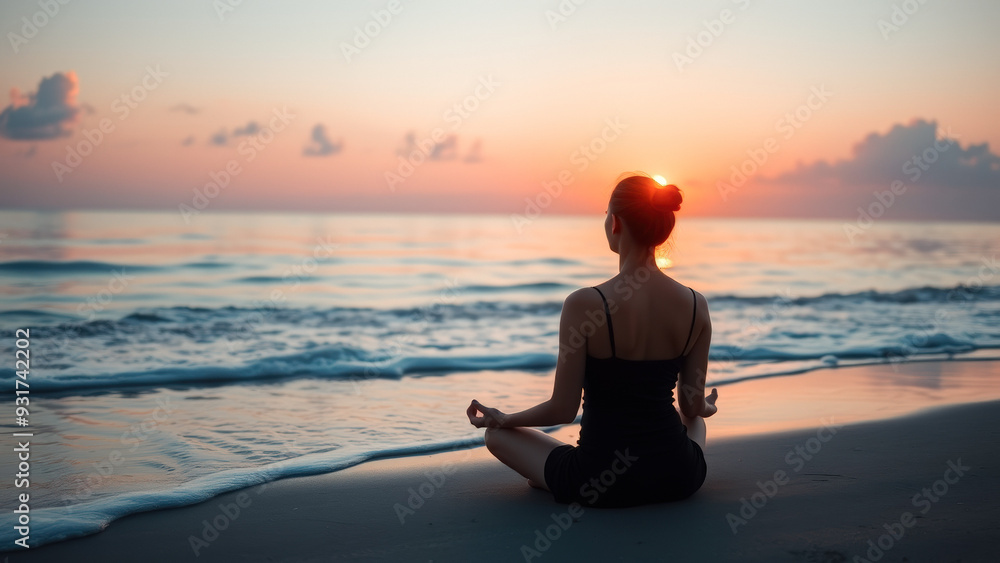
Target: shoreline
466	498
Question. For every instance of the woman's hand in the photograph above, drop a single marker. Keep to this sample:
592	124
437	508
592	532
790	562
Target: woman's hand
710	407
491	418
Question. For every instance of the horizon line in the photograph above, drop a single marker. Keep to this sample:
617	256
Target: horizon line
681	217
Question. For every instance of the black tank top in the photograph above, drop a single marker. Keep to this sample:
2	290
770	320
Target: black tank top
629	403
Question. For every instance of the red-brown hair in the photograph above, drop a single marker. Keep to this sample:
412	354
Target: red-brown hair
646	207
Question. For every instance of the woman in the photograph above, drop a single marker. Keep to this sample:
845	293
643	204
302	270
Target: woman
624	344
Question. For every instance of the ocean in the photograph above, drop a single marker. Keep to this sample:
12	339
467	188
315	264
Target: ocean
171	361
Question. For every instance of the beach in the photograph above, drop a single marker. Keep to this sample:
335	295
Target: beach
178	367
917	486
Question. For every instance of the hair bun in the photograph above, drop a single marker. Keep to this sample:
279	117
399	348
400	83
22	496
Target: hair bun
667	198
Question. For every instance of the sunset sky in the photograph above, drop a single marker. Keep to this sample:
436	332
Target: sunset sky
475	106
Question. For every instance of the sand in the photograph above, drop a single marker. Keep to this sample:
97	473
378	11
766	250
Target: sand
922	487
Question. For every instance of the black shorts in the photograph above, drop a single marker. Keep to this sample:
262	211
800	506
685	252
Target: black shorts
625	476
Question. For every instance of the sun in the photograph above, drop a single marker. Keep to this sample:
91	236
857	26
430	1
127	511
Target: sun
662	262
660	180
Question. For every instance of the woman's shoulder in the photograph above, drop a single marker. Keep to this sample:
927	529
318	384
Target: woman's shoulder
583	297
702	318
681	300
580	303
701	300
687	290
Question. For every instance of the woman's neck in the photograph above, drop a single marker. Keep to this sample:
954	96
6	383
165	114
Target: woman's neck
635	259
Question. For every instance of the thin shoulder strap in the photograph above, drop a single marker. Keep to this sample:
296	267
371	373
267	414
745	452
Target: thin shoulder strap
611	329
693	315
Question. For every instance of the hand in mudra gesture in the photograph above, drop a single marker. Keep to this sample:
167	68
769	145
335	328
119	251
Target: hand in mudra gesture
490	418
710	407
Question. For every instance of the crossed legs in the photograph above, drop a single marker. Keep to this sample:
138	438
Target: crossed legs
524	450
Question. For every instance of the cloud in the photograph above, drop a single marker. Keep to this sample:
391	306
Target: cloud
320	144
445	149
220	138
48	114
184	107
251	129
409	144
914	152
475	153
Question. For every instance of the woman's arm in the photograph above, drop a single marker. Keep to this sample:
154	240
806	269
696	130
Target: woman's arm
691	383
562	406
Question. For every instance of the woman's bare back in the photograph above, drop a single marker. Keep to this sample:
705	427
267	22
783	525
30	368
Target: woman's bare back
651	316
